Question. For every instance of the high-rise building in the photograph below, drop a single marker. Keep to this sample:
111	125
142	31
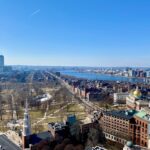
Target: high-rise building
132	73
1	63
1	60
148	74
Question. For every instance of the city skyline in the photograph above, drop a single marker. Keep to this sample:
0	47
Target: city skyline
75	33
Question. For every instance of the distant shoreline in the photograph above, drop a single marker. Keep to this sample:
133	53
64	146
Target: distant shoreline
100	76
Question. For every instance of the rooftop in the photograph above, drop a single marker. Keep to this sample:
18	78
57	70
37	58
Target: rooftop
6	144
87	120
143	115
140	114
36	138
123	114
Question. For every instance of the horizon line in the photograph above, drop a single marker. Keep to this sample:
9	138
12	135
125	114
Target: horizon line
80	66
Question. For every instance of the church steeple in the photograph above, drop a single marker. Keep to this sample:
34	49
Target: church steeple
26	128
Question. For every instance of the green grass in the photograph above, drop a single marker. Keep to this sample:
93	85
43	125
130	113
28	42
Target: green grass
75	108
57	119
36	114
81	116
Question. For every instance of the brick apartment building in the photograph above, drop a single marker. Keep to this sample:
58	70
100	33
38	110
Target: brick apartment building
142	129
117	125
122	126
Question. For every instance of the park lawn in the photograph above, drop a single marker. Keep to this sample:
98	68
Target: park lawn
81	116
56	119
34	114
75	108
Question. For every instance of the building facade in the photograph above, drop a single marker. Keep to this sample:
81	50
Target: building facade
116	125
135	101
142	129
120	98
1	63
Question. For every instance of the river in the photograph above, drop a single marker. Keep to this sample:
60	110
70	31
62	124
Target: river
97	76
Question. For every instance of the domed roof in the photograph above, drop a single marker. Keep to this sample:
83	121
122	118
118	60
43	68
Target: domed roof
137	93
129	144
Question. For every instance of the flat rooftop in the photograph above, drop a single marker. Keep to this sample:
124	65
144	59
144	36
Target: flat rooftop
7	144
143	115
123	114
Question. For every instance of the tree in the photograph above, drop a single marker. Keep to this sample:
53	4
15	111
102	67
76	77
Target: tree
59	147
79	147
95	137
75	131
69	147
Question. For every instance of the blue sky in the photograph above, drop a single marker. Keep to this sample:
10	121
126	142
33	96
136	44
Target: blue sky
75	32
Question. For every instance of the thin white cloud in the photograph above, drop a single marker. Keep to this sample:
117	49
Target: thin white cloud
35	12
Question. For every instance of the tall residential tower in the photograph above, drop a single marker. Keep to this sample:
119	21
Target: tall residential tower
1	63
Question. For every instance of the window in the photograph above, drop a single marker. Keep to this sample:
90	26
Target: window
142	124
142	129
145	131
142	141
146	126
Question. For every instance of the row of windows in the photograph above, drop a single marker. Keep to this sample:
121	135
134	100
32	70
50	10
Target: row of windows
118	121
116	125
115	132
115	138
115	118
141	124
119	130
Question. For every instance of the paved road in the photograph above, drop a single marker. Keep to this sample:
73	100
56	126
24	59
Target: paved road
7	144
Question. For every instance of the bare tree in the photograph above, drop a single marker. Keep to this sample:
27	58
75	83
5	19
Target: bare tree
75	131
95	137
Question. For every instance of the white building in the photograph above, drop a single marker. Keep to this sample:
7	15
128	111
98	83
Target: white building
120	98
26	133
148	74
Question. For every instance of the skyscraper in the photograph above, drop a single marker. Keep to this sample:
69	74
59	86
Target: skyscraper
1	63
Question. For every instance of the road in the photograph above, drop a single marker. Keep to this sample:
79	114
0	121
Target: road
7	144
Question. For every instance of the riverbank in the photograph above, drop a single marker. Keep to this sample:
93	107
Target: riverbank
96	76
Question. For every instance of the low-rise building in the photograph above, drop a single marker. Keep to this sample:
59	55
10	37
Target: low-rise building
94	96
57	128
135	101
86	124
142	129
120	98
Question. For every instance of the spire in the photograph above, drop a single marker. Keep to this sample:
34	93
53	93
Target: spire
26	121
26	133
